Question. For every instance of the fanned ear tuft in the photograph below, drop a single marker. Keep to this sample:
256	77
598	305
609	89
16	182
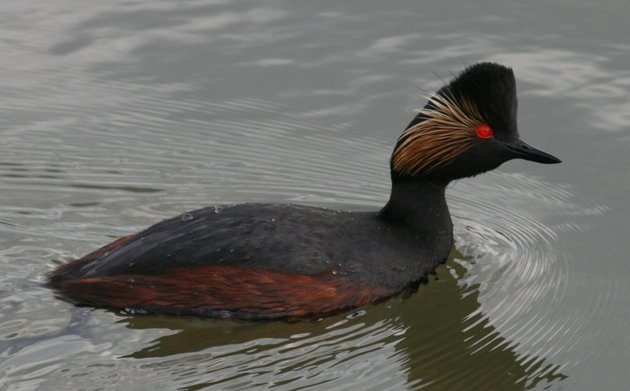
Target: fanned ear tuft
446	131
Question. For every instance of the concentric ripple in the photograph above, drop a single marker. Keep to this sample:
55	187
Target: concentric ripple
507	229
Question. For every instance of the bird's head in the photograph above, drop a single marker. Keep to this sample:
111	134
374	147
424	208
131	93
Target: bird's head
468	127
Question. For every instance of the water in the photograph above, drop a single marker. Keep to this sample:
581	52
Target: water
116	115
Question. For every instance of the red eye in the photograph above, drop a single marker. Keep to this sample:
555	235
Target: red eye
484	131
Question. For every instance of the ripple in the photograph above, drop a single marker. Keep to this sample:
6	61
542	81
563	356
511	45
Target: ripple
509	246
119	115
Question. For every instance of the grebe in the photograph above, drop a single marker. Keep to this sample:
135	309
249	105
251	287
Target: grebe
270	261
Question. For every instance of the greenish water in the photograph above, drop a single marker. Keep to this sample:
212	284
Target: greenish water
116	115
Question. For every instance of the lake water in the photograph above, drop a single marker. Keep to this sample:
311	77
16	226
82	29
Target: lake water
118	114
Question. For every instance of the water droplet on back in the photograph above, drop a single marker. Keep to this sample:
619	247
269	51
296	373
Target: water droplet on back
187	217
218	209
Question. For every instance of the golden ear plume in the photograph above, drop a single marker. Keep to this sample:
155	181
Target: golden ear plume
447	131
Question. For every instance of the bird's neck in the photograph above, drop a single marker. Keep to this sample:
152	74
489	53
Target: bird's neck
419	205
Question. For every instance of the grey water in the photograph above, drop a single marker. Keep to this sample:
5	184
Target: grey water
115	115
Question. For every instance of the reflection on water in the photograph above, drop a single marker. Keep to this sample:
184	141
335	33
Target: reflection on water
430	339
436	338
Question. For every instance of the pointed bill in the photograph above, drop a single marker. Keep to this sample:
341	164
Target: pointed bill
521	150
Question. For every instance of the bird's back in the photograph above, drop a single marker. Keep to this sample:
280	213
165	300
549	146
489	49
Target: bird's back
348	258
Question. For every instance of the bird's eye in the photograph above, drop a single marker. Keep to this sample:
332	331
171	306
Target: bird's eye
484	131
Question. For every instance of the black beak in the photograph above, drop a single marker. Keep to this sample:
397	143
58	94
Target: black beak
521	150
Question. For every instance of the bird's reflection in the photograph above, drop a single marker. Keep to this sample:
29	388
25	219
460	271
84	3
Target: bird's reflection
441	338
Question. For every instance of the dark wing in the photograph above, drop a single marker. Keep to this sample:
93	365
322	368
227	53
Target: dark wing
289	238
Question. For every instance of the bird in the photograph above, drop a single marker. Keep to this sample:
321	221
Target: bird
267	261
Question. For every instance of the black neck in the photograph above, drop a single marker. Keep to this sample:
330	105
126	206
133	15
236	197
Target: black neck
420	205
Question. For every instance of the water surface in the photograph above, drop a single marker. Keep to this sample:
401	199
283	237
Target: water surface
114	116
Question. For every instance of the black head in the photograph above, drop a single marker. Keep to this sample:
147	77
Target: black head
466	128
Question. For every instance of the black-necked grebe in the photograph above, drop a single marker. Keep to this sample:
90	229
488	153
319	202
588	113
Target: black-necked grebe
268	261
